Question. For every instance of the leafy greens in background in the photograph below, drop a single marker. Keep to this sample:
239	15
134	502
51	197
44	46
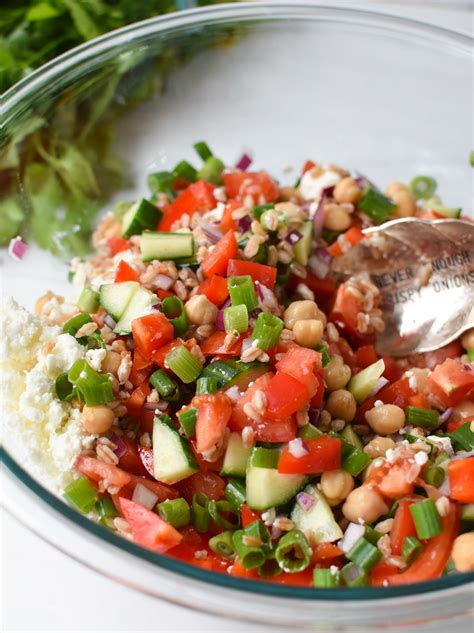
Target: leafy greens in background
56	168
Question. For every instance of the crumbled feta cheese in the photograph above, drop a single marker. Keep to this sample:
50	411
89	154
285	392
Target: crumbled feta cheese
95	358
421	458
412	382
443	443
391	455
312	184
334	570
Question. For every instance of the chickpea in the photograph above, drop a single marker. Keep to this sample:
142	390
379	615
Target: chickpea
201	311
364	503
347	190
378	447
386	419
463	552
97	419
405	201
336	485
300	311
467	339
111	362
464	409
341	404
308	332
395	188
336	218
322	317
336	373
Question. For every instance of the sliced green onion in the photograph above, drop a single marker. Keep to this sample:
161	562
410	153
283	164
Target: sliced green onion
267	219
265	457
364	554
183	364
270	568
222	544
161	181
64	388
163	383
235	493
81	494
377	206
188	419
174	311
105	509
411	548
223	371
426	518
200	513
355	462
353	576
224	515
74	324
372	535
293	552
267	330
421	417
212	170
206	384
92	387
251	556
185	171
176	512
203	150
463	437
325	579
242	291
259	209
88	300
309	432
434	475
324	351
236	319
423	187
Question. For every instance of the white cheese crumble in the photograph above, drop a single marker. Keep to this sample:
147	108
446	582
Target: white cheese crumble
421	458
95	358
391	455
312	184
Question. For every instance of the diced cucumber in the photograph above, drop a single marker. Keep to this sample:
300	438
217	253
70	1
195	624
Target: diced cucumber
318	523
142	216
302	249
308	432
173	459
249	372
362	383
114	298
266	487
164	246
351	436
236	457
139	305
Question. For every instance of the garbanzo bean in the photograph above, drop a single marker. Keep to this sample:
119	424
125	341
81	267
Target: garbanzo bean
463	552
467	339
299	311
386	419
336	373
97	419
378	447
336	218
341	404
405	201
308	332
336	485
200	311
364	503
347	190
111	362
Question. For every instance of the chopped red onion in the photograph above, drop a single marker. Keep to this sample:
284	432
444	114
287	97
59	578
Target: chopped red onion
220	321
253	314
445	489
463	455
17	248
293	237
144	496
364	182
320	263
109	322
318	218
305	500
246	343
244	162
120	444
353	533
163	282
297	447
327	192
444	417
313	415
381	382
244	223
156	306
259	289
153	406
211	232
233	393
468	367
226	304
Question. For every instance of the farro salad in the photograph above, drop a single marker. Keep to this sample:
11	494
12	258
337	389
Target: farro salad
215	394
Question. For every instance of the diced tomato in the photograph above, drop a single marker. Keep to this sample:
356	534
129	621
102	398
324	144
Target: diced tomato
432	561
162	294
146	457
380	573
150	332
402	526
206	483
265	275
248	516
139	363
317	399
215	288
419	400
161	490
97	470
453	425
137	377
323	289
258	185
187	552
324	453
203	193
431	214
215	263
461	479
285	396
302	363
352	236
307	166
125	273
451	381
146	420
343	349
130	460
438	356
365	356
346	308
392	371
398	393
117	244
160	355
326	551
137	399
197	197
214	411
148	529
299	579
399	482
228	223
214	345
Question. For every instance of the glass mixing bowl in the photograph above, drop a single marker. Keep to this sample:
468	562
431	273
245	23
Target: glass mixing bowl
383	95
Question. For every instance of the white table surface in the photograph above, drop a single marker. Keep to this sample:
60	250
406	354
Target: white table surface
43	590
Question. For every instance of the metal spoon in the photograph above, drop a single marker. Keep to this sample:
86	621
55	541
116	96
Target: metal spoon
425	272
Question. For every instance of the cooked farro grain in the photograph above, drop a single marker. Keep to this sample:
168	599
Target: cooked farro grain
106	454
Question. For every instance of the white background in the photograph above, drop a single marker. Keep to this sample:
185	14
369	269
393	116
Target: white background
43	590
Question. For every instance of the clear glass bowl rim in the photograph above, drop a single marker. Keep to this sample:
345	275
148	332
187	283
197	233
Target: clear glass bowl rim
17	100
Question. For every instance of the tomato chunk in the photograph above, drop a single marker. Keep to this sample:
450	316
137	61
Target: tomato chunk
148	529
324	453
258	185
215	263
215	288
265	275
206	483
214	345
248	516
403	526
461	479
96	470
125	273
302	363
214	411
228	223
451	381
285	396
150	332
